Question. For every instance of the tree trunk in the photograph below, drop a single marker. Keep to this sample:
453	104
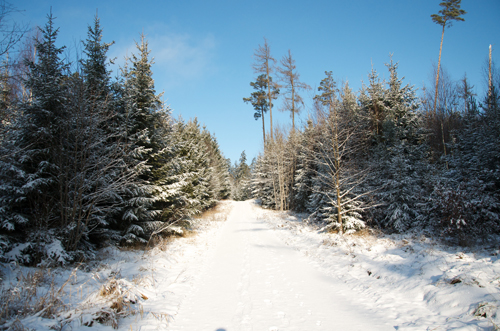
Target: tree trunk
490	81
438	69
270	100
444	144
263	127
293	107
336	156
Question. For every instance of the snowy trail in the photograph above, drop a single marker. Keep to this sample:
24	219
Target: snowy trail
257	269
254	281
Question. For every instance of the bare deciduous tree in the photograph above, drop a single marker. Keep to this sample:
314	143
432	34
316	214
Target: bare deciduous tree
292	84
10	32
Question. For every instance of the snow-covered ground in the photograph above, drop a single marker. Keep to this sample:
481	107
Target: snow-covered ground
264	270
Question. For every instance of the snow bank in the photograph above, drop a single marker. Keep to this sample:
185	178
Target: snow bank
123	289
426	285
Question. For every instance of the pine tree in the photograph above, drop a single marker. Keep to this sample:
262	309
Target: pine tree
451	12
259	100
264	65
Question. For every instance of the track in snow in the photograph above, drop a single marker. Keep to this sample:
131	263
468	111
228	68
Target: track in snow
254	281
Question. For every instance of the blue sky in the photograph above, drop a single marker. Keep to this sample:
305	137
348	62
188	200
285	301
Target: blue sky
203	49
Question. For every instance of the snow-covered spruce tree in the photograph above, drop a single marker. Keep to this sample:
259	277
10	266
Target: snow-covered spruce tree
144	123
306	170
241	179
31	208
93	173
6	98
203	190
262	184
468	197
218	178
95	65
221	178
13	220
177	174
196	175
373	112
337	169
399	159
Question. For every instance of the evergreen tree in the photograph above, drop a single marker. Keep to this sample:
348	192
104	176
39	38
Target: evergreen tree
259	100
337	170
145	140
399	162
30	197
195	176
241	179
371	99
305	168
94	67
451	12
467	199
263	65
262	182
6	99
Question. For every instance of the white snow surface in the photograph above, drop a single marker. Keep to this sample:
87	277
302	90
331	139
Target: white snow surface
266	270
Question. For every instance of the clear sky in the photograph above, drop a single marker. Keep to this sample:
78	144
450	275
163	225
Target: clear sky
203	50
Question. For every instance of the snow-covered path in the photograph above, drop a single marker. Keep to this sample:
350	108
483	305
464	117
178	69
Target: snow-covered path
260	270
251	280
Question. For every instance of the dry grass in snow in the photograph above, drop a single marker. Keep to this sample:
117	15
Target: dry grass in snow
102	294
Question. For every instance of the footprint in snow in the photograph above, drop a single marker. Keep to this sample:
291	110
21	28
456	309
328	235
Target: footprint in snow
273	328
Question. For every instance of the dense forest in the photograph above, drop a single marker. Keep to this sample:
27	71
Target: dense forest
383	157
87	160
